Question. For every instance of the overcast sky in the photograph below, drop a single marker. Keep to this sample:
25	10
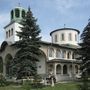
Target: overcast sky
51	14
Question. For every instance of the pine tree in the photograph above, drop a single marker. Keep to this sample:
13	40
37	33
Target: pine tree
84	52
24	63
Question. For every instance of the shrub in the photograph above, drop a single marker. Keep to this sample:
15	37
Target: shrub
37	82
3	81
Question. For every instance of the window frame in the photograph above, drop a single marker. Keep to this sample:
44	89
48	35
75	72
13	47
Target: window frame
56	38
17	13
11	31
51	52
23	14
6	34
75	37
58	53
70	36
63	36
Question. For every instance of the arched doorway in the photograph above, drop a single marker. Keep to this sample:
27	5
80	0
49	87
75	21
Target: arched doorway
8	59
65	69
1	65
58	69
76	69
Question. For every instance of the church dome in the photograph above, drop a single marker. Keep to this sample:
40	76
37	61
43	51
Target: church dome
17	14
65	36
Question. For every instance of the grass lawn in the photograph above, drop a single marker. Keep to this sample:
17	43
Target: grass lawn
67	86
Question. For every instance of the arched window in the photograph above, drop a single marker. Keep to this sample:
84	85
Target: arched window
58	53
51	52
11	31
56	38
69	55
70	37
62	37
58	69
6	34
75	37
12	13
23	13
64	69
17	13
73	56
63	54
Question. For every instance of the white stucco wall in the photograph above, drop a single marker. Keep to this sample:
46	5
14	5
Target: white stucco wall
14	37
66	34
41	65
17	28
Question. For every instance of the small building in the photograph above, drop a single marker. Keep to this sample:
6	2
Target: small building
58	57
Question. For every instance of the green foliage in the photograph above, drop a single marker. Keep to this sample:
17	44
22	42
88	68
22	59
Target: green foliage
84	53
37	78
27	85
2	80
60	86
24	63
37	82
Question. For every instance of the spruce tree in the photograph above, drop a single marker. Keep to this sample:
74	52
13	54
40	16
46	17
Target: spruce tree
24	63
84	53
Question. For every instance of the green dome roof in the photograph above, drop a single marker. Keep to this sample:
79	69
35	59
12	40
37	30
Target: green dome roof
17	14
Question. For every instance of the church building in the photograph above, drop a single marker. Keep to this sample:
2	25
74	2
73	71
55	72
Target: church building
58	57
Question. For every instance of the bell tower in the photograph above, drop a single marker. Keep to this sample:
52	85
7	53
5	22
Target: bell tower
16	14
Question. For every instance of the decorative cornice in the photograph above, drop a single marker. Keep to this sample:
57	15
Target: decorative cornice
64	29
